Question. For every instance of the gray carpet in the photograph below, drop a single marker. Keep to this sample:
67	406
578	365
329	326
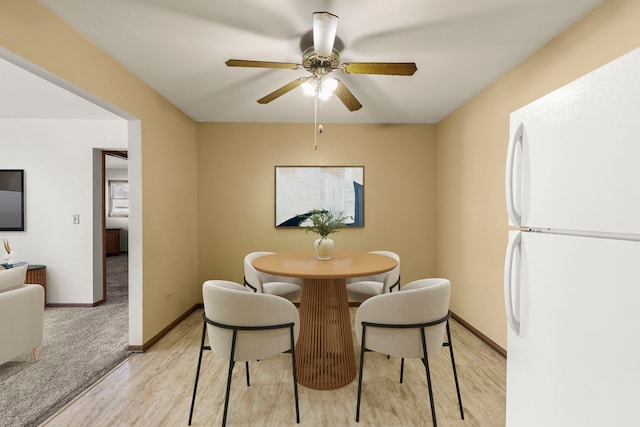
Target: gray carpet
79	346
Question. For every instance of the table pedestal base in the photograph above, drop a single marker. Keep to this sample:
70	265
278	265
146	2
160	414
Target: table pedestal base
324	351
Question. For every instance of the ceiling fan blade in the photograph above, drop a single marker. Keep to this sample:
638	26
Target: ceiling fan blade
347	97
281	91
389	68
262	64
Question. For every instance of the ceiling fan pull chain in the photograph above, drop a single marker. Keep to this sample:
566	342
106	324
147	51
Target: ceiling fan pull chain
315	122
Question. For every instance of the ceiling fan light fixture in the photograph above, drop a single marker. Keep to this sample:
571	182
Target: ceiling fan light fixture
322	87
327	86
310	86
325	25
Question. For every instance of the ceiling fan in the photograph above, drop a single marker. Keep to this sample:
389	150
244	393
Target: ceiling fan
320	60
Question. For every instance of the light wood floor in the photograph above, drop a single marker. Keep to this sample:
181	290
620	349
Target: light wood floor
154	389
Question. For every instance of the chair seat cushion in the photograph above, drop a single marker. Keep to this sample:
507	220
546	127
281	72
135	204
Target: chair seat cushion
282	289
360	291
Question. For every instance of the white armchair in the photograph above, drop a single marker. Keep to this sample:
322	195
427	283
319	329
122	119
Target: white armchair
411	323
21	314
286	287
243	326
360	289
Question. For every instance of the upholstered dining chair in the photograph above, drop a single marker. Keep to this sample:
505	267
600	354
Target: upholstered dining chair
241	326
409	324
360	289
286	287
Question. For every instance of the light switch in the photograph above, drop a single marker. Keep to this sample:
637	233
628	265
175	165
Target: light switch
76	219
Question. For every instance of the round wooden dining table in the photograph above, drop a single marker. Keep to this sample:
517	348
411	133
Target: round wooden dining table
324	350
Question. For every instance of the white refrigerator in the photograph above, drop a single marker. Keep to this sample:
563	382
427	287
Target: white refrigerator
572	265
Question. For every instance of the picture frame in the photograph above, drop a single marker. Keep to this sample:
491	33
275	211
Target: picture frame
12	198
301	189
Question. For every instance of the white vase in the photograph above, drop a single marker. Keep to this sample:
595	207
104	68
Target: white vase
324	248
10	258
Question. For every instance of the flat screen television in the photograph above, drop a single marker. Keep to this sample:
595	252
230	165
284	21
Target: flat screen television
11	200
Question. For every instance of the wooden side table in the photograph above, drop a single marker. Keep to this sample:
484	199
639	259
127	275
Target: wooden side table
37	275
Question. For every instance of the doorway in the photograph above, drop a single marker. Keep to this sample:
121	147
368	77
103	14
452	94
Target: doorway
115	223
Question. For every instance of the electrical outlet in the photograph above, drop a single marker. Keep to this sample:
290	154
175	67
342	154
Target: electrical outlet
76	219
167	296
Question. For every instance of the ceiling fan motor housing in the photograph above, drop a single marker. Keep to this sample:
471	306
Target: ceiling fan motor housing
316	64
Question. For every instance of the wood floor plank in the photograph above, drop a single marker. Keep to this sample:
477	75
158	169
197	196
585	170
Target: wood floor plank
154	389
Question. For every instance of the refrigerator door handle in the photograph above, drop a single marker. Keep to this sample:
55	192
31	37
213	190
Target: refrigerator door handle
514	215
512	262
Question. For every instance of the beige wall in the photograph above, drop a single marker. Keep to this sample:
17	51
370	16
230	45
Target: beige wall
31	31
236	191
471	155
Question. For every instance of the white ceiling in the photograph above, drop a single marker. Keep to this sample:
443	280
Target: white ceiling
179	47
111	162
25	94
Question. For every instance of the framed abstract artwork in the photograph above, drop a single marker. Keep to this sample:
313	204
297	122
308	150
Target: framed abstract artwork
301	189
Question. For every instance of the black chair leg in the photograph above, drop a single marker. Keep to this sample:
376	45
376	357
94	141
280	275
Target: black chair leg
425	362
455	373
401	369
362	350
231	365
195	386
226	395
246	365
295	375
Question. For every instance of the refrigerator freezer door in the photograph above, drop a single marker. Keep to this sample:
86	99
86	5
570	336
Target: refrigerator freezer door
575	360
573	155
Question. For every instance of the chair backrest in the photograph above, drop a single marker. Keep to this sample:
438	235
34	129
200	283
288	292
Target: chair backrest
257	278
232	304
421	301
388	278
252	276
